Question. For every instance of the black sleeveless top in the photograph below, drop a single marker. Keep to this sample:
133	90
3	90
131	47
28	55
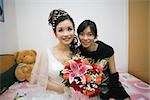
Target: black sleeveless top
105	51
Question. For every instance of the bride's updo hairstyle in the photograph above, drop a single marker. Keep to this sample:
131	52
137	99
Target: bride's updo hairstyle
58	15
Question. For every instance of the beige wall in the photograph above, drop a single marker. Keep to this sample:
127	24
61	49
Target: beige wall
138	39
149	37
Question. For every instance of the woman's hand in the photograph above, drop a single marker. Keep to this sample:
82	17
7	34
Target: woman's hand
127	99
60	89
112	99
53	86
115	99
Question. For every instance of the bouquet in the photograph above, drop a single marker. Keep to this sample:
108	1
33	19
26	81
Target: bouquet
83	75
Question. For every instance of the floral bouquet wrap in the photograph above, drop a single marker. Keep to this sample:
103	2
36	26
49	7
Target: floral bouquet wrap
83	75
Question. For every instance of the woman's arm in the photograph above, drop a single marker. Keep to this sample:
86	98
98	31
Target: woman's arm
40	74
115	85
112	65
51	85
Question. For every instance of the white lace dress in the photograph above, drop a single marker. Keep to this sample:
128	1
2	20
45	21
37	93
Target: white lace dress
54	67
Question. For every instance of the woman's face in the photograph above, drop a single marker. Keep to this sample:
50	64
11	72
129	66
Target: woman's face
86	37
65	32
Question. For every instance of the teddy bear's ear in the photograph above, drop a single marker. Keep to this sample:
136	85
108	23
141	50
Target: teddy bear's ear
34	51
16	56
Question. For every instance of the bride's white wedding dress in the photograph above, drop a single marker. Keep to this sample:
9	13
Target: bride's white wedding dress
41	74
50	66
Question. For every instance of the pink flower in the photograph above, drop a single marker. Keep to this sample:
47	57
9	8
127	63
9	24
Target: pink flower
77	70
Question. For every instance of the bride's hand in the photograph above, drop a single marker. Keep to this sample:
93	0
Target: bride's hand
60	89
53	86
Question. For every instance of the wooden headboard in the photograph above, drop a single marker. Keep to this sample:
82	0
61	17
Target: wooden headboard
6	61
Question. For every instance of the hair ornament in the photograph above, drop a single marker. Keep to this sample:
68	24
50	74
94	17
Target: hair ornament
54	15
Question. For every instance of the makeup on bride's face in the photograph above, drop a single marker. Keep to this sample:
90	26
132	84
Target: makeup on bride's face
65	32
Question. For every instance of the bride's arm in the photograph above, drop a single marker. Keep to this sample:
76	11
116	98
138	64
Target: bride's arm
40	74
51	85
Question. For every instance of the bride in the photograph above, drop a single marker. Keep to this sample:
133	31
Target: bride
45	74
48	64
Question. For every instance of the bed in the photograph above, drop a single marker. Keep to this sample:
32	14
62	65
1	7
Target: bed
137	89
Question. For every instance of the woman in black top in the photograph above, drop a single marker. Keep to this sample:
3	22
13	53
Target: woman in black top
97	50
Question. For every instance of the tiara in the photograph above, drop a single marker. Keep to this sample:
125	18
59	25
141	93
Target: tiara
55	15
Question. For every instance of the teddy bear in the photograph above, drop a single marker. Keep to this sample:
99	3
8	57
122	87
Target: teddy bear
25	60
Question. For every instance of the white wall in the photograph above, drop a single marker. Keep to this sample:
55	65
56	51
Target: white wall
33	30
8	29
